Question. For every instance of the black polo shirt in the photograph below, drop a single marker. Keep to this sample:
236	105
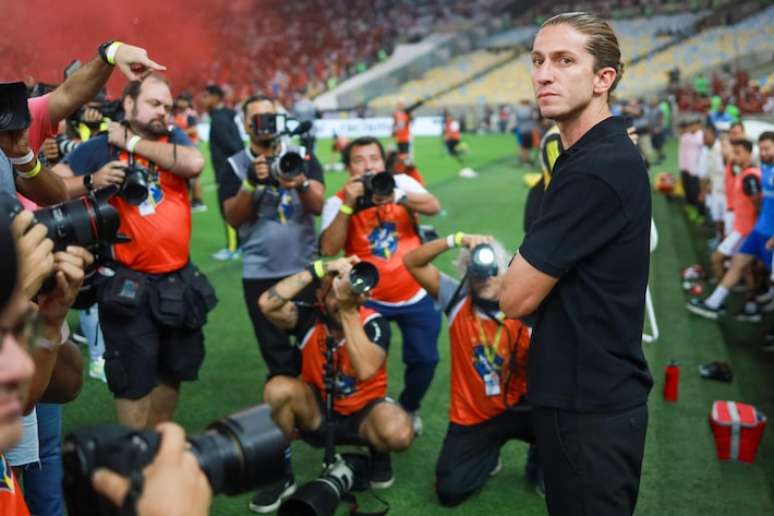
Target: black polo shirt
593	234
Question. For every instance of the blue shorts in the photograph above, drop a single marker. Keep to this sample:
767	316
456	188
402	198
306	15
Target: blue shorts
755	245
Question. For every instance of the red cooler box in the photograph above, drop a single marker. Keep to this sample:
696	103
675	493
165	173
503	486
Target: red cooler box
738	428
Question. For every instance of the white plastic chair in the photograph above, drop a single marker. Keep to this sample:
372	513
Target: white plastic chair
649	312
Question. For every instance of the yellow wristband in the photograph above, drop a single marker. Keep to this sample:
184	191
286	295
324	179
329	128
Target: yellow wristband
32	173
247	187
319	269
346	210
110	53
458	236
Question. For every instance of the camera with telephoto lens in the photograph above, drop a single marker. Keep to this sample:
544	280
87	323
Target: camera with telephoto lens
134	187
363	277
320	497
86	222
483	262
380	183
239	453
287	165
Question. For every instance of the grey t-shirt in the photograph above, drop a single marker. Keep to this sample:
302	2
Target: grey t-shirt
7	183
525	118
281	240
446	291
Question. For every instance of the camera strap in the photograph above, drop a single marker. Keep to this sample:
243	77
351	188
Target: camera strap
350	499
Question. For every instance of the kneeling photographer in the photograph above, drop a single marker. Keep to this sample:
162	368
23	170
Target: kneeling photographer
152	301
343	348
488	365
271	193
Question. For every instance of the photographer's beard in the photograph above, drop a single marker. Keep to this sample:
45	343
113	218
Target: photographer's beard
262	145
153	129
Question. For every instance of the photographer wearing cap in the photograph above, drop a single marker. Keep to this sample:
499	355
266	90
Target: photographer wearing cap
363	414
152	309
273	210
373	218
583	270
488	365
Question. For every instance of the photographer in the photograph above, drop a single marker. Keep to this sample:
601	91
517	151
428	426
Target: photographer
380	229
274	215
362	411
174	484
153	308
488	365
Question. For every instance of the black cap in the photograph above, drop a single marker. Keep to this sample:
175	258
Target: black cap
214	89
14	113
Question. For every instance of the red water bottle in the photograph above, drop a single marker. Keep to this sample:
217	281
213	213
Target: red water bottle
671	381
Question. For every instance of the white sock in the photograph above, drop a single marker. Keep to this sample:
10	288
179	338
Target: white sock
717	297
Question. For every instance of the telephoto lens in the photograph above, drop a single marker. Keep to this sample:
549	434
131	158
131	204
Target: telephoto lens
288	165
382	184
363	277
321	496
134	188
239	453
84	222
483	262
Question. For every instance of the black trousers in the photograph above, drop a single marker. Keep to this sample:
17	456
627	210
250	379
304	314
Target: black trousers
591	461
692	188
470	453
281	357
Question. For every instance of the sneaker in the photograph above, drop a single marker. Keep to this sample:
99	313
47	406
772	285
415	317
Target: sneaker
765	298
700	308
750	314
78	338
198	206
222	255
381	470
719	371
269	499
497	468
416	422
97	369
468	173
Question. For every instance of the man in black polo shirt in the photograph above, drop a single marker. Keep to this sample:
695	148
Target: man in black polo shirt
583	270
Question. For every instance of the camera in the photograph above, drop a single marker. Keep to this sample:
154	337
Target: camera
85	222
134	188
239	453
320	497
289	164
363	277
483	262
380	183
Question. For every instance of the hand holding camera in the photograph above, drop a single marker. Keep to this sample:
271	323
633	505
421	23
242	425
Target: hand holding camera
111	173
259	173
36	260
50	150
472	241
174	471
353	190
15	144
69	267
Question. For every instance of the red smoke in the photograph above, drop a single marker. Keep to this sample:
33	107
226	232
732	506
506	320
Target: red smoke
40	37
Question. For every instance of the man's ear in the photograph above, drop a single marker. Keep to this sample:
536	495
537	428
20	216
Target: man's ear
128	104
604	79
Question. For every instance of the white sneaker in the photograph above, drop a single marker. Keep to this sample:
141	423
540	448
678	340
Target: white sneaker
416	422
222	255
468	173
97	369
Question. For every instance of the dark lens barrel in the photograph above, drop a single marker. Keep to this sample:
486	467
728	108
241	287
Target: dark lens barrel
483	262
135	187
317	498
82	222
242	452
382	183
363	277
291	164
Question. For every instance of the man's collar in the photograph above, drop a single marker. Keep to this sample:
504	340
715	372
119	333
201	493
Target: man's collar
610	126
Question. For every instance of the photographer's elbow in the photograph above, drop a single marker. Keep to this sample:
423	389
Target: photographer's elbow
196	165
516	306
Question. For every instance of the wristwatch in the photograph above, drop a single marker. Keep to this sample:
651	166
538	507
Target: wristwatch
102	51
304	186
88	182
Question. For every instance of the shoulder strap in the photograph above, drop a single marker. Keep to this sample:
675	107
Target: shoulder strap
456	297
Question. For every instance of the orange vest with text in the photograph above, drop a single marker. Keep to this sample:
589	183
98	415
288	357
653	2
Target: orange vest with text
352	394
482	350
160	228
382	235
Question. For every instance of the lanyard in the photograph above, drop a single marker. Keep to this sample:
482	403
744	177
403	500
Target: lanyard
490	350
